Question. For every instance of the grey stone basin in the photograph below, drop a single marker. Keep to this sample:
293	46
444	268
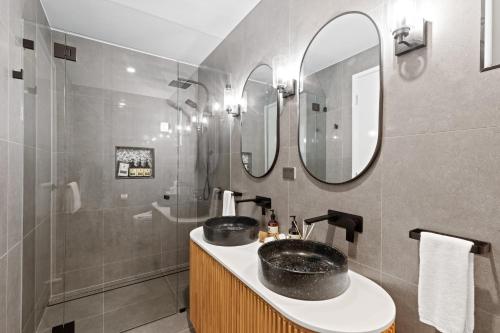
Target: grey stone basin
231	230
303	270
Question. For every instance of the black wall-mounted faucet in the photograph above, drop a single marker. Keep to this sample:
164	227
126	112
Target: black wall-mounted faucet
352	223
263	202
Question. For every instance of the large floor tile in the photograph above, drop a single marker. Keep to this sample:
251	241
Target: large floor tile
134	315
178	323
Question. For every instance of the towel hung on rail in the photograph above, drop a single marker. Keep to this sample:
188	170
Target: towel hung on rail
228	204
74	200
446	283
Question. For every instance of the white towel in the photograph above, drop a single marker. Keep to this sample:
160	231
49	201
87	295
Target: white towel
228	205
214	203
446	283
74	200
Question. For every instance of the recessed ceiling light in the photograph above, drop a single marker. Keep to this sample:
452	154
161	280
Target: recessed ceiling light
131	69
121	105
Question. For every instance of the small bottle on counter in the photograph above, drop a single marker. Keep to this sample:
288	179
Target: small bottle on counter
273	227
293	232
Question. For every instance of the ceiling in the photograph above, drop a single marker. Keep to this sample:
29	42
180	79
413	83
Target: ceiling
187	30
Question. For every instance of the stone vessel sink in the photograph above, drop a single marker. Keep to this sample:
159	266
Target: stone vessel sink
303	270
231	230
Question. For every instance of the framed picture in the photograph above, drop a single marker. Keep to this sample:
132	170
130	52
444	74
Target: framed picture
134	162
246	158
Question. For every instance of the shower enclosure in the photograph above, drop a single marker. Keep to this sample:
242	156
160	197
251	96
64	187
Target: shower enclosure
126	137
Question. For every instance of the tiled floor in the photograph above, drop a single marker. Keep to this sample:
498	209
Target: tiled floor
177	323
126	309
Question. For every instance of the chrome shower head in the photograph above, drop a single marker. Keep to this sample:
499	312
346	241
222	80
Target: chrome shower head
179	84
191	103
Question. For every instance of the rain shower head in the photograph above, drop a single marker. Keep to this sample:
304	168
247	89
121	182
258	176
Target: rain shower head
179	84
191	103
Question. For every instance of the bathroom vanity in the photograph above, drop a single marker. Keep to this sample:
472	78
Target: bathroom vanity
226	295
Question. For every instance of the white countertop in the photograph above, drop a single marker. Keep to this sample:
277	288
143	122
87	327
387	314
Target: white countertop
364	308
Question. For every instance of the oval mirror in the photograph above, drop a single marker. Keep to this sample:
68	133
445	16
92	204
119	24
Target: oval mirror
340	99
259	122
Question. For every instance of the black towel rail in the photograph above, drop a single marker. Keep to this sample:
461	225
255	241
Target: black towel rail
479	247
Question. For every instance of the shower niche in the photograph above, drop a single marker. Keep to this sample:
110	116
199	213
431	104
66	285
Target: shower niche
135	163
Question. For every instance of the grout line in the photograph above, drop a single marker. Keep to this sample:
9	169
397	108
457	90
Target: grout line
441	132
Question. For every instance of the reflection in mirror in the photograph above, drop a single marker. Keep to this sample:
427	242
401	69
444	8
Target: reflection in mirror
339	126
490	35
259	122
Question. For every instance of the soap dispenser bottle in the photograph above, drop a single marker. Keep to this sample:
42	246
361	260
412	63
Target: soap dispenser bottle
273	227
293	232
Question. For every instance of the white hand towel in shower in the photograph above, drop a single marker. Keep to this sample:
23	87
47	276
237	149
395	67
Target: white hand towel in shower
228	205
74	200
446	283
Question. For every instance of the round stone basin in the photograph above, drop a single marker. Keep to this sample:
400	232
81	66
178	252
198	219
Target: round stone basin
303	270
231	230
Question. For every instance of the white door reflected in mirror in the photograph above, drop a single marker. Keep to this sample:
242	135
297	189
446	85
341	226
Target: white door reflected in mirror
490	35
365	99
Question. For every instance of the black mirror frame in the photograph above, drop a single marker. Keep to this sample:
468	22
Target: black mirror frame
277	127
381	99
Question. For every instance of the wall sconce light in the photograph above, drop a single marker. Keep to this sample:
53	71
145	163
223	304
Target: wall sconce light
243	105
408	27
283	79
230	102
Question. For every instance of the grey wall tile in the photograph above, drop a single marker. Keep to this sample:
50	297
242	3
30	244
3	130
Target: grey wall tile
28	281
15	194
3	197
3	293
4	70
29	189
405	297
14	286
451	88
126	237
84	252
440	182
309	198
43	189
42	267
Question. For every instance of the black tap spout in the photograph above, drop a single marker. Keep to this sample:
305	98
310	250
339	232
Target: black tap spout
263	202
352	223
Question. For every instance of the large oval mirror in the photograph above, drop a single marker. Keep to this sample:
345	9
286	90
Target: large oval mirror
259	123
340	99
